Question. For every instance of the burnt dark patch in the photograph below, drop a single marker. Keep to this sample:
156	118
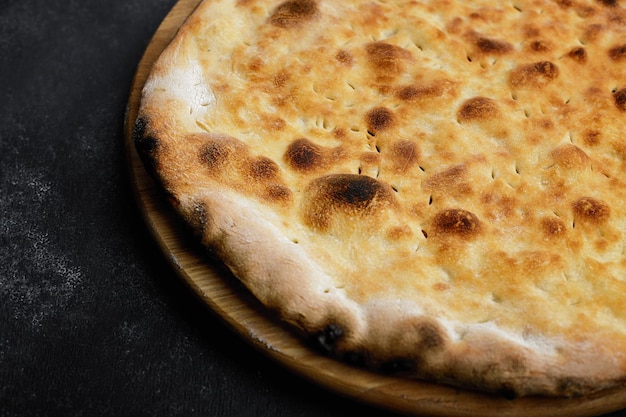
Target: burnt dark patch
414	92
344	57
304	155
507	391
358	196
139	129
618	53
431	336
457	222
609	3
578	54
263	168
198	216
591	210
277	193
552	227
352	190
536	74
545	68
214	154
539	45
477	108
145	145
409	92
355	358
592	137
280	79
379	119
493	46
327	339
571	387
386	58
398	366
293	13
620	99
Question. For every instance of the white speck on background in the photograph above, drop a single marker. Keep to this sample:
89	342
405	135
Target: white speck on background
37	280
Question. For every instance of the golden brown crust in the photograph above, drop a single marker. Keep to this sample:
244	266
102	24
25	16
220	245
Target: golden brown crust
417	189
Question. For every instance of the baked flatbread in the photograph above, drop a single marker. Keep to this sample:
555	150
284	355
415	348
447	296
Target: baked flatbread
435	189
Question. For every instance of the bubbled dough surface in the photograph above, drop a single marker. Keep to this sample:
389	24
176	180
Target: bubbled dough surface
496	155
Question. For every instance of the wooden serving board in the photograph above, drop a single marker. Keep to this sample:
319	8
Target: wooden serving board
222	293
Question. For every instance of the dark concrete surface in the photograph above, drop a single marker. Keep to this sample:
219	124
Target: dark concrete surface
93	321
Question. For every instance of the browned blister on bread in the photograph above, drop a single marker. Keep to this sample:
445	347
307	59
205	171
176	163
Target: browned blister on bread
431	189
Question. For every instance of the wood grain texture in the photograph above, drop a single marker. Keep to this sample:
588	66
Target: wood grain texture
231	302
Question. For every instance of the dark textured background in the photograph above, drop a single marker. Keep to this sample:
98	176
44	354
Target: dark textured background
93	321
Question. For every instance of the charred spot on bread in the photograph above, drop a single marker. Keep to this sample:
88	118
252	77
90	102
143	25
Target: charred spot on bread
507	391
591	137
552	227
620	99
570	387
277	193
540	45
145	144
410	92
413	92
304	155
280	79
578	54
477	108
213	154
457	222
386	58
344	57
423	91
354	191
263	168
358	196
217	150
398	366
355	358
197	216
326	339
379	118
618	53
293	13
139	129
534	75
591	210
431	335
493	46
